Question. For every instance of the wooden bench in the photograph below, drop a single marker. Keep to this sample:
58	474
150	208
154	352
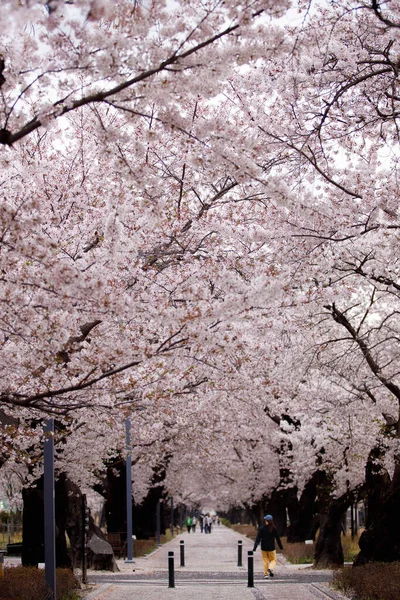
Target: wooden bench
117	543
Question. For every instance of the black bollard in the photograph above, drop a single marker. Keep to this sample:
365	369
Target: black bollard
240	553
182	547
250	574
171	574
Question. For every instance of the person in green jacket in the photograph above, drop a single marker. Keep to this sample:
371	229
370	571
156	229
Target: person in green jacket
188	523
267	534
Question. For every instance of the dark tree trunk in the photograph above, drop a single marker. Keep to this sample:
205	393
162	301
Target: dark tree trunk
256	513
276	507
377	481
33	526
145	515
304	520
237	514
292	508
115	498
62	500
328	550
73	518
69	519
381	539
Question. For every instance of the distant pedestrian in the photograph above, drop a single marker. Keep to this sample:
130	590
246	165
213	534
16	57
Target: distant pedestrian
188	523
267	534
207	523
201	520
194	522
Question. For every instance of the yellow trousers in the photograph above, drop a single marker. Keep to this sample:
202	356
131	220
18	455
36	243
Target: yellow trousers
269	560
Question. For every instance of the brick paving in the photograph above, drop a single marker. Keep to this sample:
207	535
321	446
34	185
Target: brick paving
210	573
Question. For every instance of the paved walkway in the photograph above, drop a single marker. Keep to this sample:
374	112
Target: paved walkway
210	573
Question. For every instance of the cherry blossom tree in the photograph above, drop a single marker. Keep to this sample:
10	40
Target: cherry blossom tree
343	134
199	231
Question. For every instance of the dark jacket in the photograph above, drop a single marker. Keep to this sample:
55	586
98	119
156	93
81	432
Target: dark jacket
267	539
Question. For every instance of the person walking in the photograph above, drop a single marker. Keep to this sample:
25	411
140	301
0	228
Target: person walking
201	519
188	523
207	523
194	522
267	534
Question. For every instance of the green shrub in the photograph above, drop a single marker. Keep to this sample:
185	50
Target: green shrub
225	522
28	583
374	581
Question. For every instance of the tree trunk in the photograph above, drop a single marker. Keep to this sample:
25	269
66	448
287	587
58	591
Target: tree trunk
276	507
145	515
33	526
377	481
103	559
328	550
304	520
256	513
115	498
381	539
69	520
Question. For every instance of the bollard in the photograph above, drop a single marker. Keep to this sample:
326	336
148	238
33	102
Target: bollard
171	575
182	547
240	553
250	574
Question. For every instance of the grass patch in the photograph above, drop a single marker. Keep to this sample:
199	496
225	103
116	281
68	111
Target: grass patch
350	547
15	538
374	581
28	583
302	553
143	547
299	553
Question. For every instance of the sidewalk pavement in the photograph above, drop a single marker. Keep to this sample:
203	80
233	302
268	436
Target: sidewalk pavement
210	573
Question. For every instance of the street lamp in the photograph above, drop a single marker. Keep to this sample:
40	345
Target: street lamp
49	508
129	544
172	516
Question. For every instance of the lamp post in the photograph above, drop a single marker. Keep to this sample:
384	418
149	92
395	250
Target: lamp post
129	545
49	508
158	520
172	517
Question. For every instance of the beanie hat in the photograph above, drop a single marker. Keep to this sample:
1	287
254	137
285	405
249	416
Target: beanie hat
268	518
